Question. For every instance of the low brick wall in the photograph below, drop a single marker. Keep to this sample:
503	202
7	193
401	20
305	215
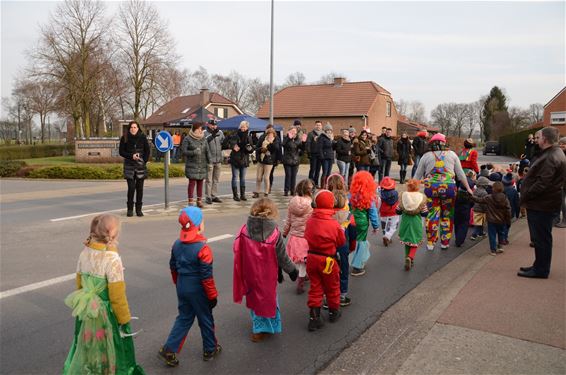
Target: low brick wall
97	150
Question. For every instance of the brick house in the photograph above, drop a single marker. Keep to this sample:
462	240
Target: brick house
343	104
171	114
555	112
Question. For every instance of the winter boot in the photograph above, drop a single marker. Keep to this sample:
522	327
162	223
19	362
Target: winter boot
334	315
130	211
300	285
199	203
243	193
139	209
315	321
191	202
402	177
235	194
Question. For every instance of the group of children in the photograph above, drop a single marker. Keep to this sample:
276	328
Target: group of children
324	241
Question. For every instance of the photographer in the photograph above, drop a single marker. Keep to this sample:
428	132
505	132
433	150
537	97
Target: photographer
134	148
241	145
215	139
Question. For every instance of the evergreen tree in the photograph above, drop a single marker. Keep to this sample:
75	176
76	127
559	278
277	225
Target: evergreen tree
494	115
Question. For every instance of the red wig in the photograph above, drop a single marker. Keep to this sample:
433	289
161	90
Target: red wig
362	190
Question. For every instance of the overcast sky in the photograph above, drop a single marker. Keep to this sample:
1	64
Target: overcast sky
434	52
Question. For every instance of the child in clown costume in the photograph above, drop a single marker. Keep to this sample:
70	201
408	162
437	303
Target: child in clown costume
387	209
411	206
440	166
103	341
363	203
324	235
191	271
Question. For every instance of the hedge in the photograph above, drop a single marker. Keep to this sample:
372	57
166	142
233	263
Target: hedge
34	151
10	168
89	172
514	144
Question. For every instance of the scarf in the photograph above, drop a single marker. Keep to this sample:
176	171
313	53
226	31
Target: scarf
194	136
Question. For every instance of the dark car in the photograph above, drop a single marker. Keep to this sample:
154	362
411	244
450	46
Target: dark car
492	147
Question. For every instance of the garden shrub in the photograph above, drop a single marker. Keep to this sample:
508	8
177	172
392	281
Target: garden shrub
34	151
91	172
9	168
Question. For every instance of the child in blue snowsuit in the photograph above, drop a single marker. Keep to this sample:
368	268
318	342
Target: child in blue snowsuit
462	211
513	197
191	270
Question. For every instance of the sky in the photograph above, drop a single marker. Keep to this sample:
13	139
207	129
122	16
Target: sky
433	52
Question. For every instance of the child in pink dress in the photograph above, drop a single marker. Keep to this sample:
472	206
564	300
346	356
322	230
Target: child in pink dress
300	210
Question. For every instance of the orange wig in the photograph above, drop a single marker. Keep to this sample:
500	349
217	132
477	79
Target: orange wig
413	185
362	190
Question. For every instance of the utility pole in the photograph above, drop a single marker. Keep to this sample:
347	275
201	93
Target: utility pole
271	70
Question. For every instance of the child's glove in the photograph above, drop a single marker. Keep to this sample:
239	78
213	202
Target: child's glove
294	274
174	276
279	275
212	303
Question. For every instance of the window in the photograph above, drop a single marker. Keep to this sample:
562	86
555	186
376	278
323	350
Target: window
558	118
186	110
388	109
221	112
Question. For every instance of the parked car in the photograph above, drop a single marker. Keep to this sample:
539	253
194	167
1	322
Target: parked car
492	147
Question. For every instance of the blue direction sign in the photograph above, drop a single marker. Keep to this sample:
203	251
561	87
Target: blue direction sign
164	141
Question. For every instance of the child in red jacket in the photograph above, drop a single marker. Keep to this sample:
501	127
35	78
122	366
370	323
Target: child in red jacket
324	235
387	210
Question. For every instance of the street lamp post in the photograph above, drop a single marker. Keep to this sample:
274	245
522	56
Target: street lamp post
271	70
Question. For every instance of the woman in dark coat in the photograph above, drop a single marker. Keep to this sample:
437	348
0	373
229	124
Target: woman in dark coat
242	146
292	145
344	153
134	148
197	157
326	144
404	152
361	150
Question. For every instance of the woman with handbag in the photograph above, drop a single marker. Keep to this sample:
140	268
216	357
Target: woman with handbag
374	161
362	149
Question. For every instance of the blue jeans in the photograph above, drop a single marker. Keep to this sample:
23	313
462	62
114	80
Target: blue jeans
384	168
326	168
478	230
416	165
314	171
495	233
242	172
343	169
540	228
290	177
363	167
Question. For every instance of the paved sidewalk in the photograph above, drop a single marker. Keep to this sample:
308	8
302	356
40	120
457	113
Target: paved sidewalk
474	316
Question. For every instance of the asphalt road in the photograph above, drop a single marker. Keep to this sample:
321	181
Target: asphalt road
37	328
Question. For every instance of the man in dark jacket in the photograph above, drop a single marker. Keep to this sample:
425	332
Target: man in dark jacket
385	145
313	151
419	148
541	195
215	138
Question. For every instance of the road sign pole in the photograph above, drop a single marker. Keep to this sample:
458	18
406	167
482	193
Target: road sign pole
167	179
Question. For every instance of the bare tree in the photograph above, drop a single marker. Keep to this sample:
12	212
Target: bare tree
233	86
329	78
402	106
69	55
417	111
535	112
295	79
459	114
144	49
258	93
21	111
442	117
519	118
199	79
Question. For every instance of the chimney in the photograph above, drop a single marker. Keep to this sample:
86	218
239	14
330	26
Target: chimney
204	97
339	81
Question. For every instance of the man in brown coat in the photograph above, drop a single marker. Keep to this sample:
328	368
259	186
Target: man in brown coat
541	195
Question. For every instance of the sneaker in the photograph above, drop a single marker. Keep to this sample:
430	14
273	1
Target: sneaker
499	251
358	272
408	263
493	253
430	247
334	315
484	235
324	305
216	200
169	358
255	195
444	247
504	242
345	301
208	200
473	237
207	356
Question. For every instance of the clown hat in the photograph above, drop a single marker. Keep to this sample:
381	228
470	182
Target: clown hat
190	219
387	183
438	137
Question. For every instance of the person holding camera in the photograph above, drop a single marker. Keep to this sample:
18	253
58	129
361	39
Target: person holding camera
215	138
241	145
135	150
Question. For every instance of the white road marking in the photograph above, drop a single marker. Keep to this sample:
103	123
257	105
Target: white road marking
60	279
120	209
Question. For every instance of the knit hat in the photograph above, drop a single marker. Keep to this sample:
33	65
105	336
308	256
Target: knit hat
483	181
190	219
387	183
507	179
324	199
484	172
297	122
352	130
495	176
438	137
327	127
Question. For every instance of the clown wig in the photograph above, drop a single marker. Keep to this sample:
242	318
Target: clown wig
413	185
362	190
